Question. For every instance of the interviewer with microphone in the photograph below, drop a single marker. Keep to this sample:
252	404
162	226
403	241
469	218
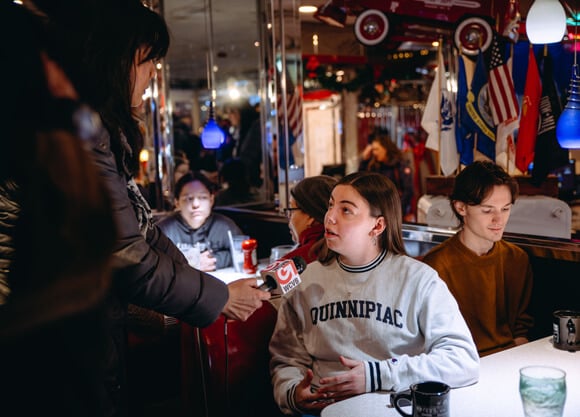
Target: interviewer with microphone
366	317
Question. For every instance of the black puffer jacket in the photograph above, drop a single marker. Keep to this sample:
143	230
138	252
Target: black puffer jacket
149	270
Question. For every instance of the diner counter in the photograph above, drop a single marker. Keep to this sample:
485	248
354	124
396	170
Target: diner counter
496	393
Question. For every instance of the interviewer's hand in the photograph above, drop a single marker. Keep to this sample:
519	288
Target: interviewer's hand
244	299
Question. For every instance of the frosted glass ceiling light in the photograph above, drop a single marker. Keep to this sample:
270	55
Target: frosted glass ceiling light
546	22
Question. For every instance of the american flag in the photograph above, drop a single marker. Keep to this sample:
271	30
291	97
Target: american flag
503	101
295	112
294	102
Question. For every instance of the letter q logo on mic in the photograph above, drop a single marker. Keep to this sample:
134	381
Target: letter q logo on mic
288	276
283	274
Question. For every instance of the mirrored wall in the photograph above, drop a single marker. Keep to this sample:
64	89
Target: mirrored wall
243	59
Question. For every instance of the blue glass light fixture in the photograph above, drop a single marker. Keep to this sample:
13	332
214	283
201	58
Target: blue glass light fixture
568	126
212	136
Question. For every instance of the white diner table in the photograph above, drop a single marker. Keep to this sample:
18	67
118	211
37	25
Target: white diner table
496	393
229	274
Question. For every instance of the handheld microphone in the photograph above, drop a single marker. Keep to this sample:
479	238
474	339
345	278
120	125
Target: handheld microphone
284	274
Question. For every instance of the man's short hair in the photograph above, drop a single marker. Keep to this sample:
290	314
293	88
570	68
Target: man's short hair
474	183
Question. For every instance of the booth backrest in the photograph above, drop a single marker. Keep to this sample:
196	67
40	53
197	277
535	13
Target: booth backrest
555	265
268	227
225	367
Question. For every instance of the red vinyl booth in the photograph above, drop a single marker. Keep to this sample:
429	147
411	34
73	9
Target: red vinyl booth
225	367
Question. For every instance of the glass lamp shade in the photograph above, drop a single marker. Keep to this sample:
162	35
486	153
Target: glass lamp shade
212	136
568	126
546	22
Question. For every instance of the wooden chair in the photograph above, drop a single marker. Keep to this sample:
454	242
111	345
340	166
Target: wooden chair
225	367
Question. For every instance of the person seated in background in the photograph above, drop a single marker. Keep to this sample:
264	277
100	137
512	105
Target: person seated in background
307	207
193	226
235	181
384	157
490	278
366	317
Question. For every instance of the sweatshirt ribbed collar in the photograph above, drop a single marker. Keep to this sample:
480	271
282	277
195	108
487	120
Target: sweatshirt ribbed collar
363	268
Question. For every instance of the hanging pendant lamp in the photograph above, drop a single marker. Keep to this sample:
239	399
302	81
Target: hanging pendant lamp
212	136
546	22
568	125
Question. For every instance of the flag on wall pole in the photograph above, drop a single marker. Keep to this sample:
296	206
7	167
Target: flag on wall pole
502	95
438	121
480	119
504	107
464	135
530	112
293	107
505	149
548	154
289	108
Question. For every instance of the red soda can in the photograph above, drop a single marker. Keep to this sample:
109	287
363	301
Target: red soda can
249	247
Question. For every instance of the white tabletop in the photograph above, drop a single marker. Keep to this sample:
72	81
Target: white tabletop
495	395
229	274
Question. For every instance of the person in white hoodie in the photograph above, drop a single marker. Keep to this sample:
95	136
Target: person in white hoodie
366	316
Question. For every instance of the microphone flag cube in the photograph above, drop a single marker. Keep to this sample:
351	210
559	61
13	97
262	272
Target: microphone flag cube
285	273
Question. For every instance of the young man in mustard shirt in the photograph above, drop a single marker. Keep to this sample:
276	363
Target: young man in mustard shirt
491	279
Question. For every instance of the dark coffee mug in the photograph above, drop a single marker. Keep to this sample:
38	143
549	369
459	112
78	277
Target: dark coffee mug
429	399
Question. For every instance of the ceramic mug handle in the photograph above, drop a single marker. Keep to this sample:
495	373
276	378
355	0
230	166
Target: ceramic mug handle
402	396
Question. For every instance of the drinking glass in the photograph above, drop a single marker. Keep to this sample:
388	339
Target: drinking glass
237	252
191	253
278	251
543	391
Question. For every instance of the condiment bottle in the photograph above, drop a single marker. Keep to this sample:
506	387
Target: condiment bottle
249	247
